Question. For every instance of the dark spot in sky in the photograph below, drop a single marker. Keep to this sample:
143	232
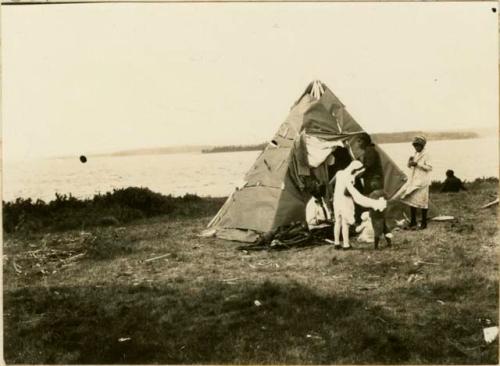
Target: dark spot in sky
494	10
83	158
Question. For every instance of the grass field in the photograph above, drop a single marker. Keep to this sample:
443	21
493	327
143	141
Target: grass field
152	291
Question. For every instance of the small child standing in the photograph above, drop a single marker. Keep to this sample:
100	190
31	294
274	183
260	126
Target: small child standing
365	229
378	217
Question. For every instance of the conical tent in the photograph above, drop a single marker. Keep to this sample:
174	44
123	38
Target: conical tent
275	190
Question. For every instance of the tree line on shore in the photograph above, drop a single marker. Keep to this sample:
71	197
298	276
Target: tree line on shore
379	138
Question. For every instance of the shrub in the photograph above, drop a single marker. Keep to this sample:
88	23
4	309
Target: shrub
121	206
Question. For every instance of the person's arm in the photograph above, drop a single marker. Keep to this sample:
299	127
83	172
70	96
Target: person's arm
360	228
425	166
359	172
424	163
364	201
411	162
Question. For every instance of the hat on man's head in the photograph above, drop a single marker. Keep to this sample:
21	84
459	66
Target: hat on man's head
365	138
419	140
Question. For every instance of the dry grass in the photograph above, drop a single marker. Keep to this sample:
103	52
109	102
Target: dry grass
426	300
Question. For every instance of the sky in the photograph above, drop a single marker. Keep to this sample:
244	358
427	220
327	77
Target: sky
82	79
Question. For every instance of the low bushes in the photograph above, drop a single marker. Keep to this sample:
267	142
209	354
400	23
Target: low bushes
121	206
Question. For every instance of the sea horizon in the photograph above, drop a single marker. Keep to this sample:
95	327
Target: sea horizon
206	175
386	137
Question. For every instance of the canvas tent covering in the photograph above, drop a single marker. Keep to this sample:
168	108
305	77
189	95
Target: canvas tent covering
275	190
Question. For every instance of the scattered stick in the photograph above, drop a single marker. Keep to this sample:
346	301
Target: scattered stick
381	319
76	257
159	257
458	346
124	274
230	280
16	267
418	262
490	204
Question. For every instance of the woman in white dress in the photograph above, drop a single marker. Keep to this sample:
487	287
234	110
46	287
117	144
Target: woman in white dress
415	193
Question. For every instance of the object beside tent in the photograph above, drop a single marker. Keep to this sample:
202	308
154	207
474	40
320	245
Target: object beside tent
277	186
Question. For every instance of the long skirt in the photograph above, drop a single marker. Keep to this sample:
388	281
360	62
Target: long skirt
418	198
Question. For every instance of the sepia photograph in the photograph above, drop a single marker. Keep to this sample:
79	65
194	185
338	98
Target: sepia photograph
301	183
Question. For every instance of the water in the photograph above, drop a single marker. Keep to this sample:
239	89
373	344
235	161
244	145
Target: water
208	174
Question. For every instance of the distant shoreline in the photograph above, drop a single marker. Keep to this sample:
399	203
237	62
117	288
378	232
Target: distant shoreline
378	138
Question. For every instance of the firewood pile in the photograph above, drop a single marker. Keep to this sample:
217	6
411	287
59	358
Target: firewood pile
50	254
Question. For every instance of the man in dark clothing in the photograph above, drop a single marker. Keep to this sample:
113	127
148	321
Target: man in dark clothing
378	217
452	183
371	162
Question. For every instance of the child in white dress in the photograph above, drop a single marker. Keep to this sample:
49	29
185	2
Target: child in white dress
344	196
